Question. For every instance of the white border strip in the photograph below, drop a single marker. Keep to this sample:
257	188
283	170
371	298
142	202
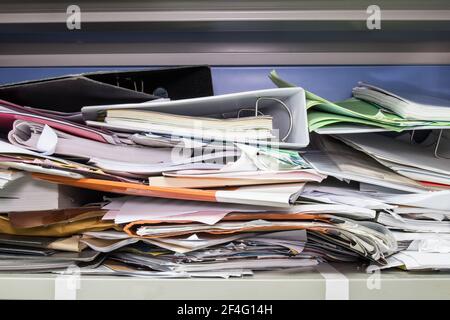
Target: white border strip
66	286
336	283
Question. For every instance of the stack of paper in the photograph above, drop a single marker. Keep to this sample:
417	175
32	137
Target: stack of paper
258	127
219	187
416	162
409	104
421	220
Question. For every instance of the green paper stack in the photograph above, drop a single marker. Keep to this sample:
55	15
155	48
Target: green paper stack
354	113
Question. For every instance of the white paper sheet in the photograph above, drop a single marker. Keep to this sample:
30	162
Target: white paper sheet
439	200
143	208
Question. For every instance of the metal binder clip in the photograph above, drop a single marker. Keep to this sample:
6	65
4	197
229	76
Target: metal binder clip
411	138
291	121
436	144
257	112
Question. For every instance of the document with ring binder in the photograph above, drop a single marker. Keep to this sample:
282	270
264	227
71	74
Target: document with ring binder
286	106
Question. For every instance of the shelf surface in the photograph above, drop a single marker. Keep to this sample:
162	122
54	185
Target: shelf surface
339	281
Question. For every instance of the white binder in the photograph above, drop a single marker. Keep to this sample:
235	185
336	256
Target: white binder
273	102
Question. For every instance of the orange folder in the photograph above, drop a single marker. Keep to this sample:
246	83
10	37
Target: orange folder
133	189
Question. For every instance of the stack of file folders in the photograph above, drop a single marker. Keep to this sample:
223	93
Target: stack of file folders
168	182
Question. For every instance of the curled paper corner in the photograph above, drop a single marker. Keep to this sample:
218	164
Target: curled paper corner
47	141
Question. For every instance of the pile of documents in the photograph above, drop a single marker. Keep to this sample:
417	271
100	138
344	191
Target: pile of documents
219	186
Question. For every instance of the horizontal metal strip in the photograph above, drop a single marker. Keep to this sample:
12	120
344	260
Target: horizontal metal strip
205	45
226	15
310	58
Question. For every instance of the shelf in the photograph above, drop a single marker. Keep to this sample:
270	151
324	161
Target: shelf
224	33
143	33
269	285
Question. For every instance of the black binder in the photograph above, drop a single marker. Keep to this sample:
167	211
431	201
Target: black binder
70	93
